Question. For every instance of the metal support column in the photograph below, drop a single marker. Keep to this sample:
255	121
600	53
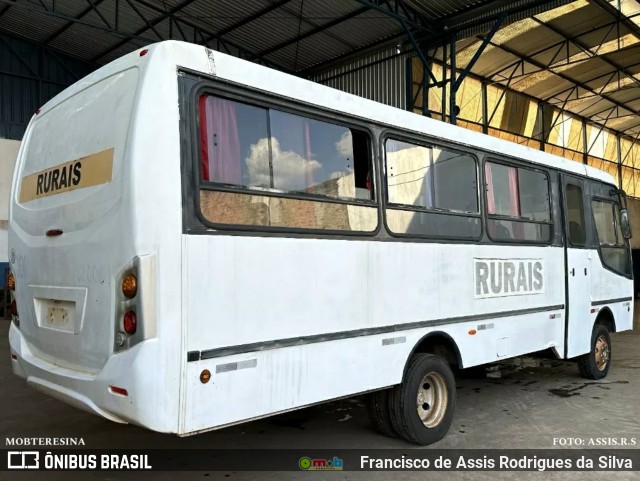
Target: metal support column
619	150
542	131
585	147
453	90
485	108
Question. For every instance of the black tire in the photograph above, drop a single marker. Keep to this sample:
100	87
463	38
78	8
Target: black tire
378	404
403	400
591	364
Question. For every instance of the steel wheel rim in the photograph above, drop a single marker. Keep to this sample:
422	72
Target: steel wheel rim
602	353
432	399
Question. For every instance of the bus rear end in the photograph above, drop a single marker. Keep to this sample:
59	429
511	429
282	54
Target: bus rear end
85	327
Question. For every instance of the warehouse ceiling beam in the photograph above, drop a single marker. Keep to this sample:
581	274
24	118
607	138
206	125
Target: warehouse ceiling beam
301	19
401	11
562	76
617	14
587	50
18	56
92	7
201	34
563	45
249	19
149	25
483	45
315	31
4	9
31	7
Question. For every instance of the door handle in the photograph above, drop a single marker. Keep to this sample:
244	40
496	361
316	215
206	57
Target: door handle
573	272
585	271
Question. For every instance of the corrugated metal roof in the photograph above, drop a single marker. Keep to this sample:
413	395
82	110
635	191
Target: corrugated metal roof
580	47
380	76
577	50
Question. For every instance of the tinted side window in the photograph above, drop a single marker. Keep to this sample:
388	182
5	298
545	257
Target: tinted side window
431	191
229	133
431	177
517	204
575	215
613	249
604	217
251	146
263	167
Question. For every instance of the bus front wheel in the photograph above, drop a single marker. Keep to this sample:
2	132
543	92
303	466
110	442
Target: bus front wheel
595	364
421	408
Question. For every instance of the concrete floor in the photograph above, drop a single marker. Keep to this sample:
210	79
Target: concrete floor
524	403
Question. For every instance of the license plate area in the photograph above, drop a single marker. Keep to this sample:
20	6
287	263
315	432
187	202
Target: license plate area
56	314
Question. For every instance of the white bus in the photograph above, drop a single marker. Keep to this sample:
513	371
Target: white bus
199	241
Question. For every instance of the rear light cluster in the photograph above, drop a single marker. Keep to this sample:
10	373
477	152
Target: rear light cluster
129	290
129	324
13	307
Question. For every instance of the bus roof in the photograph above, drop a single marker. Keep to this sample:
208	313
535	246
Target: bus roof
171	55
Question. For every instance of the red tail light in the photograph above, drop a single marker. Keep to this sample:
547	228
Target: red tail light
119	390
130	322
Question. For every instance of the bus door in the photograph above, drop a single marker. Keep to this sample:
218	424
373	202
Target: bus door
577	265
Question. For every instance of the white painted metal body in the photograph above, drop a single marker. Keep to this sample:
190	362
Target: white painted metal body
219	291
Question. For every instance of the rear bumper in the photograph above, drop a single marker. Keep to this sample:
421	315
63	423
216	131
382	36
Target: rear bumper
69	386
88	391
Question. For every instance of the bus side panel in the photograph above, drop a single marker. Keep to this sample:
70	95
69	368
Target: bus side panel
253	290
257	384
608	285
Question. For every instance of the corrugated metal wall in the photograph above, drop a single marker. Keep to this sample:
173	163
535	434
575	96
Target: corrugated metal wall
29	76
380	76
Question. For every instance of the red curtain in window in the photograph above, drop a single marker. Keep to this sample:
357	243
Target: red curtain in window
514	201
491	201
219	141
514	194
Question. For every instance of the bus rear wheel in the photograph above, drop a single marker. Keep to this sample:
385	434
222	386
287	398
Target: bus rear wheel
421	408
378	404
595	364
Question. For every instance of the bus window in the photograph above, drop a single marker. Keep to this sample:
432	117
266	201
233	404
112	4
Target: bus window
431	191
229	130
613	249
517	204
575	215
258	151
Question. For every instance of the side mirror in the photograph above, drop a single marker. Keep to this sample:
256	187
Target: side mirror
624	223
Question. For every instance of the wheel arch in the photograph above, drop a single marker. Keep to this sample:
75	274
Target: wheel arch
439	343
606	318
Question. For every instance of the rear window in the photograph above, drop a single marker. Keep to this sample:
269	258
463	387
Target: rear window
73	152
91	121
